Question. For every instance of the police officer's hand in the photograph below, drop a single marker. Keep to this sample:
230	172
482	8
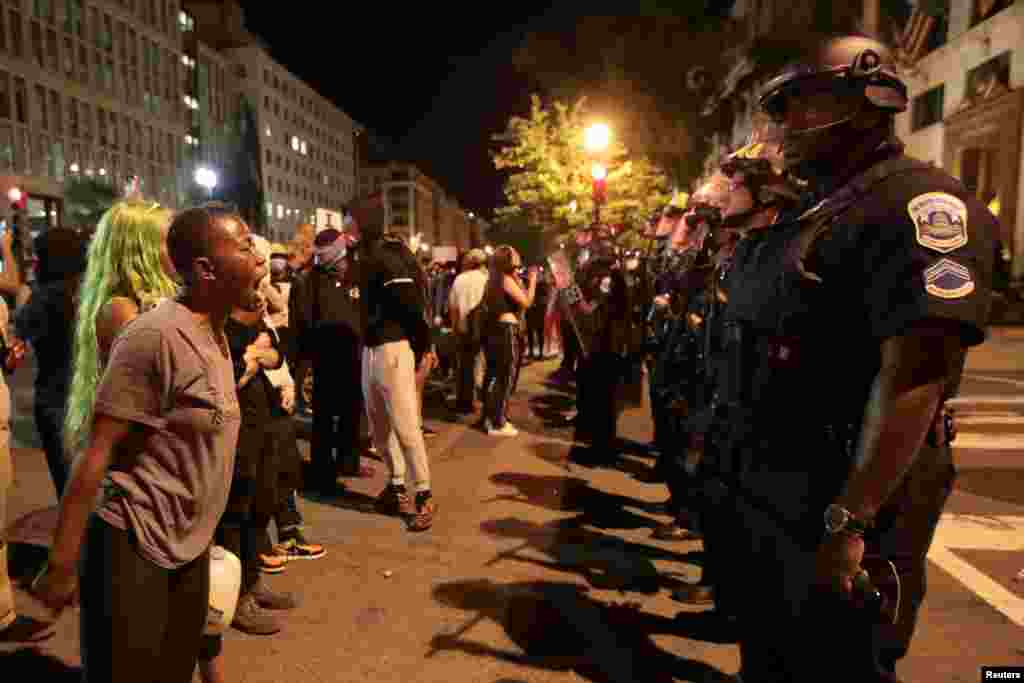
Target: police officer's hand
838	562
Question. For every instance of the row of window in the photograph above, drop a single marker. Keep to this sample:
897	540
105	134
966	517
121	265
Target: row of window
85	21
303	147
926	109
295	191
62	116
152	82
285	163
49	156
283	212
307	104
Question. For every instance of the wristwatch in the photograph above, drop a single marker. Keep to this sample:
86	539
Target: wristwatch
840	520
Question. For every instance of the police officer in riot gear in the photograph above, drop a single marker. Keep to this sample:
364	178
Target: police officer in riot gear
604	321
750	191
845	331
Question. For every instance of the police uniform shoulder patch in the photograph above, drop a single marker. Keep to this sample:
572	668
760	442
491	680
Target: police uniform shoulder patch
948	279
940	221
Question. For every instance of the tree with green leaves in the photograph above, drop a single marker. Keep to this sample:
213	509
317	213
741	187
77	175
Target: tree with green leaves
550	183
645	72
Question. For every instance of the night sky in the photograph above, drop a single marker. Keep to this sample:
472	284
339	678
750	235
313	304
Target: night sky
438	85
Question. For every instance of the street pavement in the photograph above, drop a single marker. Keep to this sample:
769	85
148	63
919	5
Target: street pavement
541	570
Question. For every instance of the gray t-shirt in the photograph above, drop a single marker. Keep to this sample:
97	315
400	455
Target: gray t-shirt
166	372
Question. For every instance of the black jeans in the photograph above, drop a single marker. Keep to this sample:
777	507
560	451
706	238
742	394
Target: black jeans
501	349
50	427
535	331
465	379
139	619
597	382
570	346
337	418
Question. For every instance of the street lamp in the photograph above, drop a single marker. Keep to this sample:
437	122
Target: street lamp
207	178
596	137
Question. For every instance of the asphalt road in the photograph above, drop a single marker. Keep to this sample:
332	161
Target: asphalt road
538	570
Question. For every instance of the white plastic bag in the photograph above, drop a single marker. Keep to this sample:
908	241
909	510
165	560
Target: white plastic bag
225	584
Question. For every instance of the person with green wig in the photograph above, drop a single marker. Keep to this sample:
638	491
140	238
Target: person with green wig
128	272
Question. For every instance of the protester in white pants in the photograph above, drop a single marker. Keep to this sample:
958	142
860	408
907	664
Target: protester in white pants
397	340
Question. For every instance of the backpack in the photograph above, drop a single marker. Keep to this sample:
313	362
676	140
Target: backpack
476	322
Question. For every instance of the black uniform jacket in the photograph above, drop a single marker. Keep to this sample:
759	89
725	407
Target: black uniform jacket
805	349
324	310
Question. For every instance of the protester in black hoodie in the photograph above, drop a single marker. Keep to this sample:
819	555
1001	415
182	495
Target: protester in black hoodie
46	321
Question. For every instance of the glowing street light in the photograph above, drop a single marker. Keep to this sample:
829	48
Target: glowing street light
14	194
206	178
596	137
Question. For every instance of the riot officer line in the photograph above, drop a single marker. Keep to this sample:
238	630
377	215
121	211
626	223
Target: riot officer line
808	314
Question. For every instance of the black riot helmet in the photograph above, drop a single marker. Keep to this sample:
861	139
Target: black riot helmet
853	74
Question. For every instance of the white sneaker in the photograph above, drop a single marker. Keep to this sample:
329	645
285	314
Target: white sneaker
507	430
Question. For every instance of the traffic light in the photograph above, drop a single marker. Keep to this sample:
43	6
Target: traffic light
19	199
600	190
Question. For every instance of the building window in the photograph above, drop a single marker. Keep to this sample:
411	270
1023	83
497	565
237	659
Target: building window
73	17
52	60
20	100
56	121
989	79
984	9
926	108
38	47
44	122
14	19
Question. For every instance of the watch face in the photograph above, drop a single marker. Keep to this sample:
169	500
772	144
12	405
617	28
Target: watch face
835	518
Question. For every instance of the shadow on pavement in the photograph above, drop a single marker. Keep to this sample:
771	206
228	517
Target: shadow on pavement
344	499
998	484
32	664
604	561
599	642
562	494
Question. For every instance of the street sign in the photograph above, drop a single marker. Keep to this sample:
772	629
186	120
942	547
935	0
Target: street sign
980	532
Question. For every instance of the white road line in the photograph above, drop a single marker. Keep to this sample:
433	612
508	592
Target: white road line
994	400
994	379
989	442
990	419
972	532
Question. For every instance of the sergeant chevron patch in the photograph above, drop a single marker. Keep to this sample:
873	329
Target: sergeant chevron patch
948	280
940	220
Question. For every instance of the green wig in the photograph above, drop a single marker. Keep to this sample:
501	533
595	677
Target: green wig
124	259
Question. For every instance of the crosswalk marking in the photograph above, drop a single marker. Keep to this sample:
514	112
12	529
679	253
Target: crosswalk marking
977	532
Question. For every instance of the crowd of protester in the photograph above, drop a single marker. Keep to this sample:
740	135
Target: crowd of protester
173	353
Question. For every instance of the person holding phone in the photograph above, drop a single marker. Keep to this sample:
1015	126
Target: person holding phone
507	299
